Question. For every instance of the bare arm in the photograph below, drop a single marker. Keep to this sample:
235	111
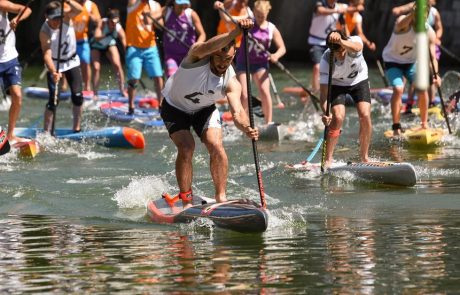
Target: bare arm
199	27
339	8
240	117
98	31
202	49
404	22
45	42
367	42
95	15
349	45
75	9
438	28
279	42
403	9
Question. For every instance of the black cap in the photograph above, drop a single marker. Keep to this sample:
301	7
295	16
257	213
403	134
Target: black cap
54	13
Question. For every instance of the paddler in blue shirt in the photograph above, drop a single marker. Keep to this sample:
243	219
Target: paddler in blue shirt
204	76
349	76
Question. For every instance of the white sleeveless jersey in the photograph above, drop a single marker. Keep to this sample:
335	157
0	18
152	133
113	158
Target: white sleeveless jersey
8	47
321	25
193	86
400	48
349	72
69	58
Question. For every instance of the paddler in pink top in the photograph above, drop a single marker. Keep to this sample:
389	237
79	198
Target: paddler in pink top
185	25
264	32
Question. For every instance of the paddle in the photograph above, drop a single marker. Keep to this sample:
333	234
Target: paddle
315	99
328	106
168	31
279	103
3	39
444	111
56	85
382	73
251	122
449	53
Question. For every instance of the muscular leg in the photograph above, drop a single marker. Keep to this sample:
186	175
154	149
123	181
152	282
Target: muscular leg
423	106
212	138
132	92
338	114
95	61
263	86
185	145
365	129
114	58
158	81
396	106
15	109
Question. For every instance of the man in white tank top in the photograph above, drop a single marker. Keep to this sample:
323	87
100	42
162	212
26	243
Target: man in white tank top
10	70
399	57
349	77
69	62
204	76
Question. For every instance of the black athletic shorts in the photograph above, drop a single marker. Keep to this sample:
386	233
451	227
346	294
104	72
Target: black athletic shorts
359	92
176	119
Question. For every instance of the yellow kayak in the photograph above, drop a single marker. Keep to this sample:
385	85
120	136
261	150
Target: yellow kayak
417	136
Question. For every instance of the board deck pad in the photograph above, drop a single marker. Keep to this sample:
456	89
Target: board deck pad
240	215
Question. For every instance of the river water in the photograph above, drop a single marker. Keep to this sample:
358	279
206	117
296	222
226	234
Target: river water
73	219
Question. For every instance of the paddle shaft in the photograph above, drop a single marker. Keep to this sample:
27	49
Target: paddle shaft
382	73
315	150
328	107
449	53
19	17
56	85
275	91
168	31
443	107
251	122
315	99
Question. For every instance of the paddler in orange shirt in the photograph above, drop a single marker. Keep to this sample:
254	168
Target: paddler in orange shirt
238	9
81	24
142	51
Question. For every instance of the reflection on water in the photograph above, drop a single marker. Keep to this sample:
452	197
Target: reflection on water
334	254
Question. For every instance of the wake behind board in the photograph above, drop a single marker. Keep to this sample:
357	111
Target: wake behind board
238	215
401	174
123	137
419	137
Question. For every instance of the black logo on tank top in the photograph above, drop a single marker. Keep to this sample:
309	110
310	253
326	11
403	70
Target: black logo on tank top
192	95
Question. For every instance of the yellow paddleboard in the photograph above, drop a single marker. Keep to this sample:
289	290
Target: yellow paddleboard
27	149
433	111
417	136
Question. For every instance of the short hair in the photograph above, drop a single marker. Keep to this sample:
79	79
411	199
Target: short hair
53	5
335	46
263	5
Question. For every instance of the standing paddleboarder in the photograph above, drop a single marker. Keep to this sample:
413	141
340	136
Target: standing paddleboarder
65	63
204	76
350	76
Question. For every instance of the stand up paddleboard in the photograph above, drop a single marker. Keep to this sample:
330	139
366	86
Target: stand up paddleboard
401	174
420	137
119	111
123	137
27	149
238	215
